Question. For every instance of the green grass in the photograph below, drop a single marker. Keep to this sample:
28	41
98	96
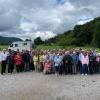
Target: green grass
53	47
3	47
48	47
65	47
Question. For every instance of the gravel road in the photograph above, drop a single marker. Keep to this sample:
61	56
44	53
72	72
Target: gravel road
36	86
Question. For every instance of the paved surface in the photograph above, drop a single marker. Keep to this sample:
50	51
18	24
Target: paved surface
36	86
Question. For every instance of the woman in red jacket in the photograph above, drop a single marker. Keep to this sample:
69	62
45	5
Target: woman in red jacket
18	61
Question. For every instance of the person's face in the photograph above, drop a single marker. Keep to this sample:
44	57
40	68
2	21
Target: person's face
4	51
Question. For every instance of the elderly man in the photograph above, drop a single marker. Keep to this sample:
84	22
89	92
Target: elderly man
3	59
67	60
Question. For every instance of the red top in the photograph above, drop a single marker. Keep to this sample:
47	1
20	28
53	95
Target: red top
18	59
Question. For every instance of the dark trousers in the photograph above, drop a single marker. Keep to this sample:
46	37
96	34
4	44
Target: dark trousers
79	67
18	68
98	67
10	68
92	67
85	69
68	68
3	69
26	66
31	66
61	69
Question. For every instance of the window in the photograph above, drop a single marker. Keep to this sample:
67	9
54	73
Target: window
25	44
11	45
16	45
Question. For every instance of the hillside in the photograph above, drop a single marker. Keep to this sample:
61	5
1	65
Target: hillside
82	35
8	40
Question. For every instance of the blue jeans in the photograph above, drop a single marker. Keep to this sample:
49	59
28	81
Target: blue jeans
84	69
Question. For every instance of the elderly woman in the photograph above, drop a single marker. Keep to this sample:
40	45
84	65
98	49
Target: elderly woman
57	63
85	63
36	61
18	61
47	67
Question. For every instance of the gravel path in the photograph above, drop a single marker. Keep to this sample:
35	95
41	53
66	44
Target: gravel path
36	86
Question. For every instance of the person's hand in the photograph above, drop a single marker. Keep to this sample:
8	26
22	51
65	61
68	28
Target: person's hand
66	61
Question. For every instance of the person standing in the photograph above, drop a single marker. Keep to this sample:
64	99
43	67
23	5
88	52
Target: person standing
10	62
98	63
85	63
51	58
26	60
41	61
61	68
31	60
18	61
92	63
67	60
57	62
3	61
36	62
47	67
75	60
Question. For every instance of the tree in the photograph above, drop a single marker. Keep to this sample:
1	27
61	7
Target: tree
96	39
38	41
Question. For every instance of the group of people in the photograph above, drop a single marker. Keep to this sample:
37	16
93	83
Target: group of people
59	61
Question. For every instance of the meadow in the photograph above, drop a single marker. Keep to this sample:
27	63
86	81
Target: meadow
3	47
53	47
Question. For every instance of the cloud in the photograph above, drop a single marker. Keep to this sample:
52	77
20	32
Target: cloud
44	18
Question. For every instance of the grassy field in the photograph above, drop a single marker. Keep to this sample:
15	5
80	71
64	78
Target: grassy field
3	47
66	47
53	47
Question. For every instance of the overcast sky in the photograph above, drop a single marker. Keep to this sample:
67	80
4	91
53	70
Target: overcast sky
44	18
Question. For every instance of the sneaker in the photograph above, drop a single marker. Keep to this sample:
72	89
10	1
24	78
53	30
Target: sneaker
86	74
82	74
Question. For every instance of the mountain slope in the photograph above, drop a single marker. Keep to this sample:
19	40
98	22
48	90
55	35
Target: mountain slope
8	40
81	35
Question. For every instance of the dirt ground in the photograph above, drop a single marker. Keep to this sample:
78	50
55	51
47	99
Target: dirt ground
36	86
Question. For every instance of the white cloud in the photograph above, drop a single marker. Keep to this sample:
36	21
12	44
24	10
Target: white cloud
44	18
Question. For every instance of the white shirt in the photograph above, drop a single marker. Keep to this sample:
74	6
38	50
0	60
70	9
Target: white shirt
3	56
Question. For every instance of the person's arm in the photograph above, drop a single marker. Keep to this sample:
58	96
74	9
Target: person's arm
87	60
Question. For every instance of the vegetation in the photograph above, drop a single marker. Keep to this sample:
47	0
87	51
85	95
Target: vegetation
3	47
87	35
82	35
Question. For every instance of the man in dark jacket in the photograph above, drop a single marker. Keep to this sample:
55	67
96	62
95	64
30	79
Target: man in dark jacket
92	63
67	60
26	60
10	62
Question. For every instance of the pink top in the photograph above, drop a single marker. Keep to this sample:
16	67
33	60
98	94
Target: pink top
98	59
85	59
47	66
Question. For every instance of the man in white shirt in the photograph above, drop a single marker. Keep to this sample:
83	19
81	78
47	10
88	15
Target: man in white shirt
3	57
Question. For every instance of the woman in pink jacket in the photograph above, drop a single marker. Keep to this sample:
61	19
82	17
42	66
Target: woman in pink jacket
47	67
85	63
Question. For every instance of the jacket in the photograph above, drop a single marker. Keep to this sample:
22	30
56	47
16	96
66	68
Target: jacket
18	59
